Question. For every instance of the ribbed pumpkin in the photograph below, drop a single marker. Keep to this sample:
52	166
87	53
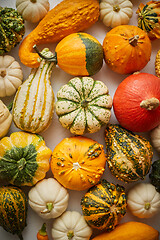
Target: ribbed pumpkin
127	49
33	104
78	162
149	18
24	158
104	205
83	105
129	156
13	210
78	54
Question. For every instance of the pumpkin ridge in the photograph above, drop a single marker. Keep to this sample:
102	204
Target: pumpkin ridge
94	83
65	99
101	95
72	124
70	83
100	122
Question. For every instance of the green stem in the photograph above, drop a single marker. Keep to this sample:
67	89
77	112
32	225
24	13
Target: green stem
42	231
21	163
10	106
49	59
70	235
49	207
147	206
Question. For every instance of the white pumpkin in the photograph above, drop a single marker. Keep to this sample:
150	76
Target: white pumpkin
11	75
32	10
5	119
115	12
71	226
143	200
48	198
155	138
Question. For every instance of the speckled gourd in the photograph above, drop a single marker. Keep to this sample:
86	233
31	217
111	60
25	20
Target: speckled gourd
83	105
33	104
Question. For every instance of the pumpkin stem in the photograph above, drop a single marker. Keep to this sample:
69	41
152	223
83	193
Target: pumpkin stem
10	106
48	209
33	1
44	56
150	104
3	73
134	40
42	231
21	163
84	103
116	8
147	206
70	234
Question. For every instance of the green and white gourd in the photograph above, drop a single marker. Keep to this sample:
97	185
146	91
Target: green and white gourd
33	104
83	105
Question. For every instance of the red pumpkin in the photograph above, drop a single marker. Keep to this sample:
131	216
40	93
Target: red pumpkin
136	102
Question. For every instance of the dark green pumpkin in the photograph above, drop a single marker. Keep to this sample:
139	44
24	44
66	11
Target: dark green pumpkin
13	210
11	29
104	205
78	54
155	175
129	156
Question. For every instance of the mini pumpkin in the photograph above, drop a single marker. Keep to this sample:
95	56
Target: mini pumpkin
149	18
48	198
129	156
11	75
5	119
71	226
83	105
143	200
127	49
155	175
104	205
115	12
32	10
24	158
78	162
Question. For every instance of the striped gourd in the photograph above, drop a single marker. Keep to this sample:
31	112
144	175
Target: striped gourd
129	156
83	105
33	104
13	210
104	205
149	18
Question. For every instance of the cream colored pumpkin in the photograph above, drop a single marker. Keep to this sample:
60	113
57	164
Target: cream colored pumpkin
11	75
115	12
155	138
71	226
32	10
143	200
5	119
48	198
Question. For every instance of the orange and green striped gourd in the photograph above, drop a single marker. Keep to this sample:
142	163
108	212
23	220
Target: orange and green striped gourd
129	156
24	158
104	205
13	210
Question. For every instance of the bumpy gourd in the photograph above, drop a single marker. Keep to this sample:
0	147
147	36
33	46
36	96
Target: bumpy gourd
66	18
32	10
149	18
157	64
155	175
24	158
83	105
104	205
78	162
13	210
11	75
5	119
33	105
115	12
12	29
129	156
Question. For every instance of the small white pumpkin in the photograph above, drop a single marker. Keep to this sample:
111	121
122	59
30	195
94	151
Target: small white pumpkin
115	12
155	138
71	226
11	75
48	198
143	200
5	119
32	10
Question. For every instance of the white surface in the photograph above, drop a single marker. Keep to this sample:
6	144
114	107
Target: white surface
55	133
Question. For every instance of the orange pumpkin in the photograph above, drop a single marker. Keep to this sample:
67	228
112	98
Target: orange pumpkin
127	49
78	162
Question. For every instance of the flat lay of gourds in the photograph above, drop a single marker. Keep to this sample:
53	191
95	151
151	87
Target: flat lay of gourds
79	119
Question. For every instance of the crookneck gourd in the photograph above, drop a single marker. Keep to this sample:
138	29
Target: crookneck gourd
24	158
13	210
33	104
78	162
83	105
104	205
129	156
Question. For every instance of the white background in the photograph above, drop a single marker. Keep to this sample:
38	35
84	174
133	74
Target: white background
55	133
